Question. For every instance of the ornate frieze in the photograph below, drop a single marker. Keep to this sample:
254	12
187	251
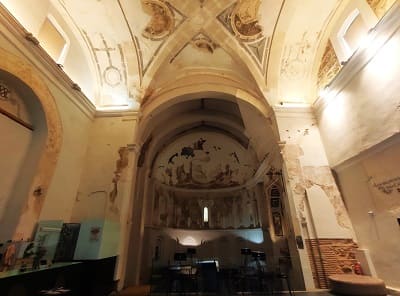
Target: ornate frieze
232	210
329	66
380	7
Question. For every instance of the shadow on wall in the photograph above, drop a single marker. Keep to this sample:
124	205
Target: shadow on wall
222	245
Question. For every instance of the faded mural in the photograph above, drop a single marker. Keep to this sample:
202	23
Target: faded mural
230	210
205	169
204	160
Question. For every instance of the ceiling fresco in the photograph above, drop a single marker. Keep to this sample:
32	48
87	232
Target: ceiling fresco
159	33
274	47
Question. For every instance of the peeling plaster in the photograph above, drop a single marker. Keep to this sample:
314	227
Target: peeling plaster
302	178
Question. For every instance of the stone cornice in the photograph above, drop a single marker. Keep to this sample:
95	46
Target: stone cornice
379	36
117	113
293	112
29	47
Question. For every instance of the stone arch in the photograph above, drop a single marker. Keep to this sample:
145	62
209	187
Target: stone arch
206	85
48	158
189	88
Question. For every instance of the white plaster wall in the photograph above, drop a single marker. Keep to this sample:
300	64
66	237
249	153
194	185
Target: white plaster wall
64	186
31	14
366	110
312	194
323	213
107	136
307	163
15	145
374	213
75	122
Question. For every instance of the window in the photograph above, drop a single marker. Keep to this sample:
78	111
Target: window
352	33
53	39
205	215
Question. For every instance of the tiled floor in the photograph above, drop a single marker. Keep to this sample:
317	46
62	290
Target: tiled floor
318	293
145	290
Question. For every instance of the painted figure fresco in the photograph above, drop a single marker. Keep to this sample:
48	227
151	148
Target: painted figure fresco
204	161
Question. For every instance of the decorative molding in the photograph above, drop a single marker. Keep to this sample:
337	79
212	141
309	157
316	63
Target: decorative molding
380	7
381	34
259	50
110	60
31	38
135	43
225	18
204	43
116	113
16	119
15	34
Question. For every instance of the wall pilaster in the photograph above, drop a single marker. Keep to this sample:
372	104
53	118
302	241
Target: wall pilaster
318	213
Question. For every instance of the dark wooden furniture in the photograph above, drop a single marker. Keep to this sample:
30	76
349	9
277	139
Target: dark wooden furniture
86	278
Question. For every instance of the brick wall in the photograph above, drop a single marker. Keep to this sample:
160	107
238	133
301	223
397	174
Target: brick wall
334	256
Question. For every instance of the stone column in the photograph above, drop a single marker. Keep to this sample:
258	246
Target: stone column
319	217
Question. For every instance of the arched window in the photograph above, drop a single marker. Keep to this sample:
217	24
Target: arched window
205	214
351	34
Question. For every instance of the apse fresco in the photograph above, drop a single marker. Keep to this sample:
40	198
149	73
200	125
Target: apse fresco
207	160
227	210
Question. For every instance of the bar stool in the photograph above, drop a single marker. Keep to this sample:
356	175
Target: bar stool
285	277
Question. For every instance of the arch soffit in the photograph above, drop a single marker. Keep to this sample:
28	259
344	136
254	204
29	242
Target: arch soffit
173	96
168	136
174	121
48	159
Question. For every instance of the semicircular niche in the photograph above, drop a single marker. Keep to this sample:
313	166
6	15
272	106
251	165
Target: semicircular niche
204	160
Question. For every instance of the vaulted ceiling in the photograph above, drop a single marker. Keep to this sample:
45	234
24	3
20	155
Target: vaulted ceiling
137	47
140	46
